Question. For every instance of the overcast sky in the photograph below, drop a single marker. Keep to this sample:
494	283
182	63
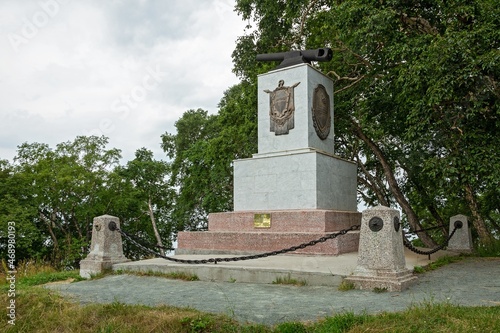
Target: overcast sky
126	69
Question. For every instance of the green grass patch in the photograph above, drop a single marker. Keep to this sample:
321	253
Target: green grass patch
289	280
346	286
45	277
38	278
42	310
291	327
489	250
342	322
171	275
418	270
440	262
433	318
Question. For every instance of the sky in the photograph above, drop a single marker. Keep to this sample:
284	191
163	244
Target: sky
126	69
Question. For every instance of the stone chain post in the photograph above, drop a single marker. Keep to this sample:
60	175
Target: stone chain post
106	247
381	260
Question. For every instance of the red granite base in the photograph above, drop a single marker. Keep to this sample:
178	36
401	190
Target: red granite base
235	233
317	220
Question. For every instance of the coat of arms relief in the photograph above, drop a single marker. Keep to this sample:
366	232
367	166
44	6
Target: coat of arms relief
281	108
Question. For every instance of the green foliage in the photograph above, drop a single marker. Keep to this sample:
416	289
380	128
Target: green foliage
170	275
418	269
441	261
339	323
291	327
489	250
346	285
42	310
145	202
52	195
416	106
202	152
289	280
191	167
46	277
416	100
199	324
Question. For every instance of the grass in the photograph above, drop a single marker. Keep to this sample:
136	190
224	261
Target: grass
171	275
430	317
289	280
346	286
442	261
40	310
489	250
43	310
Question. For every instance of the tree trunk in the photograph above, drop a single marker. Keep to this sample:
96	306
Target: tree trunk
48	222
394	187
431	207
373	184
477	220
155	228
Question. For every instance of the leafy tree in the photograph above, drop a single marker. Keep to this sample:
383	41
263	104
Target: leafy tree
416	101
190	175
145	202
202	152
16	209
60	191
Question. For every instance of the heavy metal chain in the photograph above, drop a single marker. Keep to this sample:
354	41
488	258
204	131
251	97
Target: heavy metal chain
247	257
147	244
410	246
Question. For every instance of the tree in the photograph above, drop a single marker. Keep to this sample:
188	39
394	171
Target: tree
202	152
416	101
17	211
64	189
144	184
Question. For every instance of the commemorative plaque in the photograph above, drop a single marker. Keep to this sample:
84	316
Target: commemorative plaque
262	220
321	115
281	108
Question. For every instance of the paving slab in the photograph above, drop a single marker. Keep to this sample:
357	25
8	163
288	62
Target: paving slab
470	282
315	270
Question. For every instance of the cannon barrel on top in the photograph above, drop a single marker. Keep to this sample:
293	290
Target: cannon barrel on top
291	58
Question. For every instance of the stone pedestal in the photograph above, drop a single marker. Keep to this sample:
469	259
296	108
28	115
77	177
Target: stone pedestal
303	134
298	179
462	238
296	170
381	261
238	233
295	178
106	247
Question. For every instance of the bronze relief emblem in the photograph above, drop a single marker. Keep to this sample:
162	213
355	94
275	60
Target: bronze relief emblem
321	115
281	108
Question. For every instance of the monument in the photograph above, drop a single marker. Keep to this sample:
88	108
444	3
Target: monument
295	189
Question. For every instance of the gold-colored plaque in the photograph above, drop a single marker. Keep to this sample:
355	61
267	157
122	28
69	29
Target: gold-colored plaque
262	220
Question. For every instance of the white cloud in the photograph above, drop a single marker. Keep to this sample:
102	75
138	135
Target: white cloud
125	69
